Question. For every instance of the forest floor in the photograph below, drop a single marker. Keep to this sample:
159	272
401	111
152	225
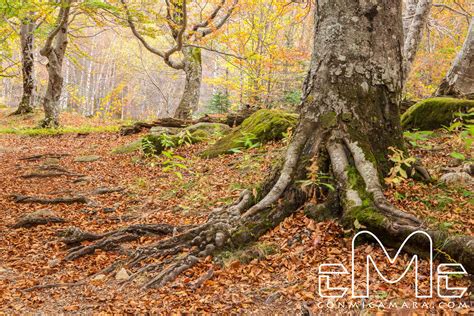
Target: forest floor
276	275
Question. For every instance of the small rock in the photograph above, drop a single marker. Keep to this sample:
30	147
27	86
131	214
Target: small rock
51	162
158	130
99	278
468	168
456	178
108	210
122	275
53	263
3	270
272	297
90	158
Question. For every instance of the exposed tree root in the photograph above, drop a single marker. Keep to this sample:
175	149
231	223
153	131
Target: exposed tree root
31	221
111	240
78	197
358	193
44	156
18	198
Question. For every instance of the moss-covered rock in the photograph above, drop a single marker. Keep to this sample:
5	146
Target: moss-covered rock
128	148
261	127
210	128
434	113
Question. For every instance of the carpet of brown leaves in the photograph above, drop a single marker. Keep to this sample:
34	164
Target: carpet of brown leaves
279	281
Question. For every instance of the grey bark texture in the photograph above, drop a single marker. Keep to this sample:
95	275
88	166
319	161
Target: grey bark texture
54	50
192	89
27	28
415	23
459	80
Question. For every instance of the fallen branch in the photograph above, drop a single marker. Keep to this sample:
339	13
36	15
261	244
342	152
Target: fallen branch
231	119
203	278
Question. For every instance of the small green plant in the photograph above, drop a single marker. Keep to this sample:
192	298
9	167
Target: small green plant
401	163
315	181
463	127
148	148
249	141
416	137
173	163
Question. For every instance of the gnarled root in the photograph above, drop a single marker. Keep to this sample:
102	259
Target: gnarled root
358	193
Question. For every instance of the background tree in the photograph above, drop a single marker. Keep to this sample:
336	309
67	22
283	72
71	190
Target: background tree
182	33
459	80
54	50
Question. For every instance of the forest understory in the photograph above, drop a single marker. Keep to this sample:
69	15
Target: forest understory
278	274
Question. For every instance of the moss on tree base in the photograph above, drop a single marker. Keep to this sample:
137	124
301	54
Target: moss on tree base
434	113
261	127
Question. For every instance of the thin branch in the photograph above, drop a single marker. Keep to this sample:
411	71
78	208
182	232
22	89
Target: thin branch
216	51
165	55
444	6
218	25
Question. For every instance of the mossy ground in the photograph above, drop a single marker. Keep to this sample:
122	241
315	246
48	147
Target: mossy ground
434	113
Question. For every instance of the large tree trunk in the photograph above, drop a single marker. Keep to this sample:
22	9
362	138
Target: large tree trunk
459	80
349	118
192	88
27	41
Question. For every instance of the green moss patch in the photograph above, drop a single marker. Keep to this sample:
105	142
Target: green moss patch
58	131
434	113
261	127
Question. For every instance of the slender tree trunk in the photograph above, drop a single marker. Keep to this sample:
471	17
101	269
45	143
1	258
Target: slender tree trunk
414	31
55	55
192	88
348	120
459	80
27	41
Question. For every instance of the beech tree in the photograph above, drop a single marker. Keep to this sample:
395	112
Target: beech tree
25	28
183	33
416	17
54	50
349	120
459	80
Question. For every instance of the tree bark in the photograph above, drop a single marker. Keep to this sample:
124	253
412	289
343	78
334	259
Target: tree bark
414	27
55	55
349	119
27	41
192	88
459	80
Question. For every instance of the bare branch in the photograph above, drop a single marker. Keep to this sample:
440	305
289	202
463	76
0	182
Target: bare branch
165	55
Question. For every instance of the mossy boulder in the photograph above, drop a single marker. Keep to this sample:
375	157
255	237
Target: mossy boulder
434	113
209	128
261	127
128	148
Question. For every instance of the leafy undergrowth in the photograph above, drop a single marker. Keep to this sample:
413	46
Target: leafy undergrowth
277	275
